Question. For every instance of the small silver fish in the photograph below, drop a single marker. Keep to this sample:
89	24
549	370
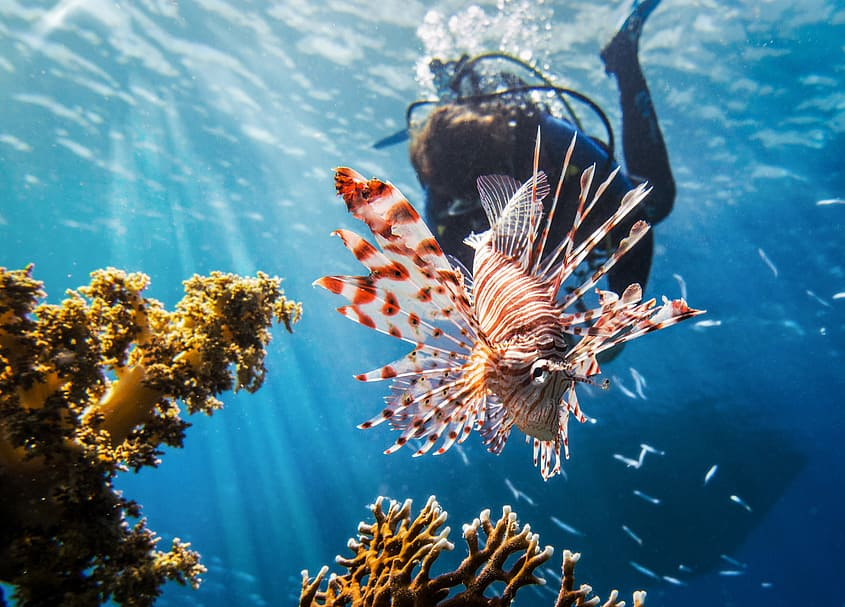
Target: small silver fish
649	449
632	535
647	498
818	299
706	324
568	528
738	500
768	261
639	382
618	384
644	570
517	494
731	572
710	473
463	454
552	574
733	561
631	463
674	581
681	284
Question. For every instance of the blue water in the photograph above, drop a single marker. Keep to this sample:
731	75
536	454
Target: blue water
174	137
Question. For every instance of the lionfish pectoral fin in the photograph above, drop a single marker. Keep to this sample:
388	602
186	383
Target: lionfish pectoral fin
410	284
496	427
437	407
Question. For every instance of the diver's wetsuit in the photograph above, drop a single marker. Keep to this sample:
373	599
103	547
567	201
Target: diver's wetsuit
645	156
556	134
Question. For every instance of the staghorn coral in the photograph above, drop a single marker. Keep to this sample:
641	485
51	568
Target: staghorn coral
380	572
90	388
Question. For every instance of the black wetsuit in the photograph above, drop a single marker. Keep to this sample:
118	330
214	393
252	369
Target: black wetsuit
646	160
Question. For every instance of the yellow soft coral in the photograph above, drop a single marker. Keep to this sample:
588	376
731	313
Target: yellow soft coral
91	387
392	559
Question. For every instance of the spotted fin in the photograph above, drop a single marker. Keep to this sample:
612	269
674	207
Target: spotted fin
395	224
410	278
412	293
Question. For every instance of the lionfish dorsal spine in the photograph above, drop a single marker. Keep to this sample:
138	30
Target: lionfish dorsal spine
579	253
541	247
638	231
514	212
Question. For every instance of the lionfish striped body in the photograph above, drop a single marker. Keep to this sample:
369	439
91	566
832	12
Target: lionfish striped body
501	348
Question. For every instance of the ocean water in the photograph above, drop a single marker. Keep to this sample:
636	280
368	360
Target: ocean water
176	137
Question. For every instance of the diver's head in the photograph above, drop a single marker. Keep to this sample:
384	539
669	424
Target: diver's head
461	141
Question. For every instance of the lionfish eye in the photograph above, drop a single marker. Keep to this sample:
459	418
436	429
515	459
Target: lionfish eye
540	371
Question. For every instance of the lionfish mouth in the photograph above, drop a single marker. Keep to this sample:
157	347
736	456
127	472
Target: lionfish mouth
541	420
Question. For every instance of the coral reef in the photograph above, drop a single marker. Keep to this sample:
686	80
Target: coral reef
380	572
90	388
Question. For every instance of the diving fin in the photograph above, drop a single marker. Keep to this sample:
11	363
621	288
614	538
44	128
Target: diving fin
397	137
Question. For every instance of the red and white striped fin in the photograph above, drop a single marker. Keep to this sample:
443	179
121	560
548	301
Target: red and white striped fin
422	289
390	216
396	315
609	305
628	322
671	312
417	267
546	455
534	219
567	257
553	266
579	253
638	231
551	214
410	281
422	360
494	192
430	409
497	425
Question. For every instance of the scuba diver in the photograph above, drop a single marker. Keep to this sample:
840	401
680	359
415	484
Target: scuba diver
485	123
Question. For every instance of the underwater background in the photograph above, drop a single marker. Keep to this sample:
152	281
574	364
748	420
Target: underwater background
179	137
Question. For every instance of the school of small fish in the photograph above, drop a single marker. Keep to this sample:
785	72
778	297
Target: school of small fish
503	347
735	567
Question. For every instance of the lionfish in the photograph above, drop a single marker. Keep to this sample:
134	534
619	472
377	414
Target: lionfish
503	347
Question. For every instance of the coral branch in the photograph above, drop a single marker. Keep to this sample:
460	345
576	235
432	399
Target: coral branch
91	387
386	553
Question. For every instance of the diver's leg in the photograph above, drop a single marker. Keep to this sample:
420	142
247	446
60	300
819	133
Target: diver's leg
642	141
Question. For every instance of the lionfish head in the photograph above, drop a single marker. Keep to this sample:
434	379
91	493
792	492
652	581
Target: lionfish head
530	378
